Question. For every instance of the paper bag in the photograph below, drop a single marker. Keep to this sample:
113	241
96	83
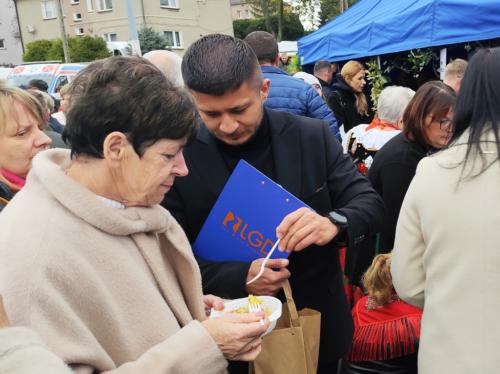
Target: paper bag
293	346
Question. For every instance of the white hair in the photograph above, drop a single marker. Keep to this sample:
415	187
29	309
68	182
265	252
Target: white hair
168	63
308	78
392	103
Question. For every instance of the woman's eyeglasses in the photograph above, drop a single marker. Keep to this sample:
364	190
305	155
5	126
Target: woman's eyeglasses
445	124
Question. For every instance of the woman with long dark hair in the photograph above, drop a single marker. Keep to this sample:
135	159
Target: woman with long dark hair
446	255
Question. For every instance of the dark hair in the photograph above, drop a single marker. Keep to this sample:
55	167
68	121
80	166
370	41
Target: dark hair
130	95
478	103
264	45
322	65
217	63
434	98
39	84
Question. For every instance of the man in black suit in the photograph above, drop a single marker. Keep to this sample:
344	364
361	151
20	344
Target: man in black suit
299	153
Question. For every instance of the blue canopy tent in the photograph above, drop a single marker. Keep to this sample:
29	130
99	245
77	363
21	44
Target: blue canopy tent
376	27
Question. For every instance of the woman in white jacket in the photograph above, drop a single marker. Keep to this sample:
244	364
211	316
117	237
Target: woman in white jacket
22	351
446	255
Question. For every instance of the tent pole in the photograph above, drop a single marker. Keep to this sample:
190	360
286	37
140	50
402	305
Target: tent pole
442	63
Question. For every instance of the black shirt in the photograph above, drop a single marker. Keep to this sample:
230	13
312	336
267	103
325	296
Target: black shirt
257	151
391	173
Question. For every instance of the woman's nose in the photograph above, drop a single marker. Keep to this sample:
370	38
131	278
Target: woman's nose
42	140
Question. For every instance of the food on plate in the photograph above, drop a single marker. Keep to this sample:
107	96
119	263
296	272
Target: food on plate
252	300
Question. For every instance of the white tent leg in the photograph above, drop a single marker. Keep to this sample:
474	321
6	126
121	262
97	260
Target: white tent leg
442	63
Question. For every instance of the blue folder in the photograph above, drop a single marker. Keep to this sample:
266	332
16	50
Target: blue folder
242	224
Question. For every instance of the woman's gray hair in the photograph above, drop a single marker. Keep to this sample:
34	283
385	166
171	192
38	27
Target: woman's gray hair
392	103
45	99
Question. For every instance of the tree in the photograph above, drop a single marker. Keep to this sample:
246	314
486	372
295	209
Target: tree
81	49
292	27
88	48
267	9
37	50
329	9
151	40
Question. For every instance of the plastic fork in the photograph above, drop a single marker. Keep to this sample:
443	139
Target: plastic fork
263	265
254	307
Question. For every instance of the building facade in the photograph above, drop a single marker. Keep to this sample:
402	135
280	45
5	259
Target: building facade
11	48
180	21
240	9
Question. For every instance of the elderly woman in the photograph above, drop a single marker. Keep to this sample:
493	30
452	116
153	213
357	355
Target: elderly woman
21	138
347	100
446	255
103	273
47	103
363	141
427	128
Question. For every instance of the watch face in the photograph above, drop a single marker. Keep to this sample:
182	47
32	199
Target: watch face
339	218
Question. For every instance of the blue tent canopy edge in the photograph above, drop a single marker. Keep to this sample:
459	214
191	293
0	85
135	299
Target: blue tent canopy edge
377	27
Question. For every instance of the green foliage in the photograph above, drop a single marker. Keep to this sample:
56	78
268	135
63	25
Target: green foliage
377	79
292	27
151	40
294	65
37	50
81	49
329	9
87	48
418	60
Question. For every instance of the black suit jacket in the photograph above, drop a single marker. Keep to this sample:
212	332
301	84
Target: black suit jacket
309	163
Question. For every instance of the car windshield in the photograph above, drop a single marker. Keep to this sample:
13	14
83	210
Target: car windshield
23	79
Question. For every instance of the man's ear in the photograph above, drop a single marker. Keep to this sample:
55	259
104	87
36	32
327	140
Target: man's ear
277	60
114	146
264	89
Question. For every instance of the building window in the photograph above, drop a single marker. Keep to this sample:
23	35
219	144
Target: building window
79	31
77	16
90	5
173	38
238	14
169	3
110	37
2	43
49	10
249	14
103	5
74	2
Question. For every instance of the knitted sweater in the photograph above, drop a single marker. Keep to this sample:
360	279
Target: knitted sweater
107	289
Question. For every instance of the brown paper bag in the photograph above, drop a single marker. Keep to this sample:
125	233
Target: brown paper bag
293	346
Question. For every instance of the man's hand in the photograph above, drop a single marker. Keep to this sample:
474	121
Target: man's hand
212	301
238	336
304	227
4	321
269	283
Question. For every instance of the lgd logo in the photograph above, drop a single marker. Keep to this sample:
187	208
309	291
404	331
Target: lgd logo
252	237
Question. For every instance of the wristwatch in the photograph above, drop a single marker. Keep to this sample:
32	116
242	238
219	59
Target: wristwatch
338	220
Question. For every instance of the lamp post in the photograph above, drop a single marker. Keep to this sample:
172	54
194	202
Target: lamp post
64	38
132	29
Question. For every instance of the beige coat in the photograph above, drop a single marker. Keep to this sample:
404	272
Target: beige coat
447	260
107	289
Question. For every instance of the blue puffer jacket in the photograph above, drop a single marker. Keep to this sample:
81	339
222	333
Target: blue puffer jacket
293	95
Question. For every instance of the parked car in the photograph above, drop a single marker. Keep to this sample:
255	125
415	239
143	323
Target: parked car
55	74
4	72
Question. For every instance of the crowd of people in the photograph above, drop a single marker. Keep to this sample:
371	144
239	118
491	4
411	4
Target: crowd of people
97	273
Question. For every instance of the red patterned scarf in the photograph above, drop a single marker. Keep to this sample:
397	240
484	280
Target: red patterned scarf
384	332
